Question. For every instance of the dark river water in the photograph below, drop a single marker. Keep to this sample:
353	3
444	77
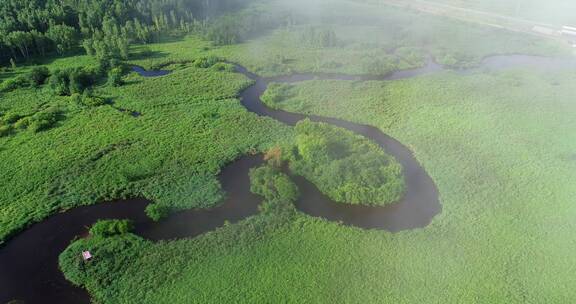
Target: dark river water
29	261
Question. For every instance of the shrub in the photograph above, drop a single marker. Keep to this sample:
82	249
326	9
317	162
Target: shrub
12	84
107	228
206	62
318	37
276	93
43	120
67	82
38	125
157	212
90	100
59	83
22	123
80	79
38	75
115	77
5	130
273	185
223	67
378	66
10	117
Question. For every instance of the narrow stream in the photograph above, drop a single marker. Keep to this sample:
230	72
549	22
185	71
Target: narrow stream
29	261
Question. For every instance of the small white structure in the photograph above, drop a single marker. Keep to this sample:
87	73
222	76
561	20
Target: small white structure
86	255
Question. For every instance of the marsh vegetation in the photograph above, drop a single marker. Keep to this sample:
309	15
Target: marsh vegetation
499	145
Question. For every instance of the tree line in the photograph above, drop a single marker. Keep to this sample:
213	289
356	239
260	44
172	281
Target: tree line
104	28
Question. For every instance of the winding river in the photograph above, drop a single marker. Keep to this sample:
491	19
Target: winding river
29	261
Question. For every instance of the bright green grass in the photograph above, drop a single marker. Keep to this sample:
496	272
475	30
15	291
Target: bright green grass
501	148
191	125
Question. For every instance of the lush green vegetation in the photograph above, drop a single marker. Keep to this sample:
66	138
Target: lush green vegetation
490	141
506	179
111	227
346	167
272	184
191	125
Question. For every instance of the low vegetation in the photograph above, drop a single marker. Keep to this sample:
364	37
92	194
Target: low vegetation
506	185
67	151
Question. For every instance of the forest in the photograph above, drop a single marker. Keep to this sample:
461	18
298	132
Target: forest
105	28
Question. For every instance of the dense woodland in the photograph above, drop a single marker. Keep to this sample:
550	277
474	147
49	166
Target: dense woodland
105	28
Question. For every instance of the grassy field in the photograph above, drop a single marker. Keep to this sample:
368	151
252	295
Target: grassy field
190	126
505	173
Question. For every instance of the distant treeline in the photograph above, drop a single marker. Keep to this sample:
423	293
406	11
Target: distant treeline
105	28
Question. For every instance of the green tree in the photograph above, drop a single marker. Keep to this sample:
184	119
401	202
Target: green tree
63	36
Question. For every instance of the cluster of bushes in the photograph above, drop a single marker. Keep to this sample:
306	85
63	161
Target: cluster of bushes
345	166
66	82
88	99
213	62
269	182
40	121
157	212
72	81
6	123
36	77
37	122
105	228
276	93
5	130
206	62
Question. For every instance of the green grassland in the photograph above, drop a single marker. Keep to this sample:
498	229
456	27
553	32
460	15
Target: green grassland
191	124
499	146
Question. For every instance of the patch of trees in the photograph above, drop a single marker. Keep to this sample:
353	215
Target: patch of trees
345	166
36	77
104	27
72	81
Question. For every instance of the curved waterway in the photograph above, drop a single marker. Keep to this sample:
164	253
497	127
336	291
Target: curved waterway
29	261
